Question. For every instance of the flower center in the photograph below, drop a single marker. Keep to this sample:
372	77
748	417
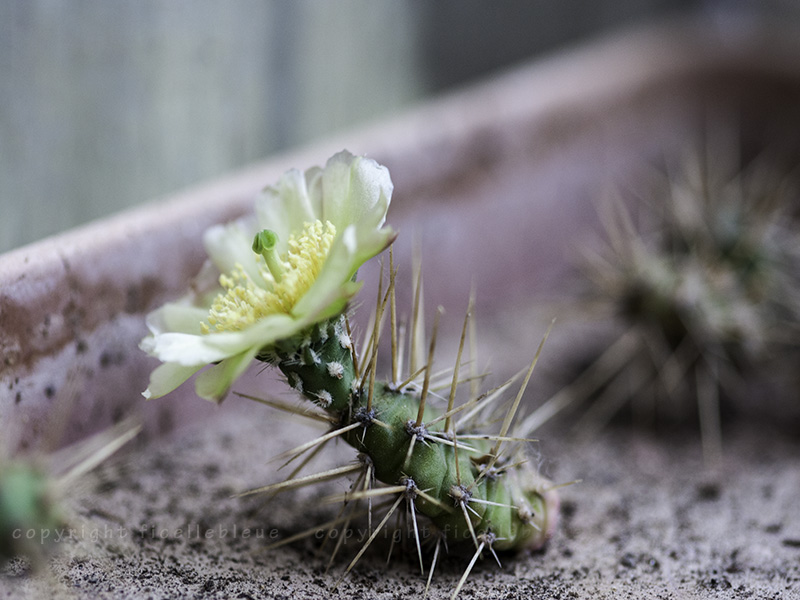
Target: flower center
288	277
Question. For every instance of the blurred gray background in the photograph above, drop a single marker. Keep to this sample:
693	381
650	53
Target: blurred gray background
107	104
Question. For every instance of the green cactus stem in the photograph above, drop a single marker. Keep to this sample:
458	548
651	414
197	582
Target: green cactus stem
461	487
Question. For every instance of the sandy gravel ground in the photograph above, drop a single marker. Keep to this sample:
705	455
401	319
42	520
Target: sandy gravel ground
646	521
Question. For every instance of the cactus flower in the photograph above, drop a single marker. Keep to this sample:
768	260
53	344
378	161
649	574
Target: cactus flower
272	276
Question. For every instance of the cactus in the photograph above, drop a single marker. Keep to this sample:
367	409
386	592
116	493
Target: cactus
26	502
702	277
32	493
470	486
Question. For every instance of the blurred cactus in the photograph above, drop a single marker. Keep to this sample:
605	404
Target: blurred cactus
33	488
702	275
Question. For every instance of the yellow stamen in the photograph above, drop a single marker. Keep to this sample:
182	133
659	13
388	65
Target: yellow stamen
244	301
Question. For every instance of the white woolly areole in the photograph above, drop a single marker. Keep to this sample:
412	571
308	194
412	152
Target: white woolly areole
344	340
335	369
325	398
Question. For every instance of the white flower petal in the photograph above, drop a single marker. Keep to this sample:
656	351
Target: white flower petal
189	349
266	331
285	207
212	384
177	317
184	349
348	190
231	245
168	377
205	283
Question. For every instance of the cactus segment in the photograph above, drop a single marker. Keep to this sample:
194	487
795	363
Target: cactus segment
26	500
467	487
31	495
